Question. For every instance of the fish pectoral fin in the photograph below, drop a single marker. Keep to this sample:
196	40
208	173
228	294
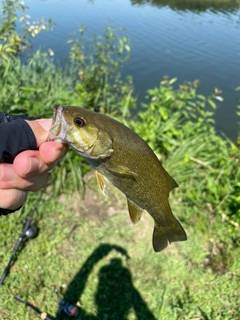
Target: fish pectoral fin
117	168
102	182
135	212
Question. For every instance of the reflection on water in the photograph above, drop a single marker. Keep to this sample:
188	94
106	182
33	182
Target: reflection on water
193	5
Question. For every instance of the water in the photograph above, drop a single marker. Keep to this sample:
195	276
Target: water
194	42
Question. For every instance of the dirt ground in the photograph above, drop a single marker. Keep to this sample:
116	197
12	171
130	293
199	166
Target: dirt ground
92	205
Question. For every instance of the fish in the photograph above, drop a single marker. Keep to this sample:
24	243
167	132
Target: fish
120	156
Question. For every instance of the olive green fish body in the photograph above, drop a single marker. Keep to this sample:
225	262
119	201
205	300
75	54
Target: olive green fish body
149	187
126	160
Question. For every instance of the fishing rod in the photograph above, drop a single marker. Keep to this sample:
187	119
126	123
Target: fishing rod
69	309
29	231
43	315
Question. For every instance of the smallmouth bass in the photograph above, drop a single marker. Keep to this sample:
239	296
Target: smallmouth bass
122	157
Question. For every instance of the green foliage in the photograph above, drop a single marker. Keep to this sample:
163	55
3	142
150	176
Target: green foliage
172	116
179	127
238	113
12	41
98	61
34	88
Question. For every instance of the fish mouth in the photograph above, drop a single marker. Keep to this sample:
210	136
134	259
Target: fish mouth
59	126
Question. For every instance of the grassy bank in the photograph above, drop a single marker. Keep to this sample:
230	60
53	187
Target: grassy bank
86	245
92	253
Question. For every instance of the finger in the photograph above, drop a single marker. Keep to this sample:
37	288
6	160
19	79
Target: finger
52	151
45	123
38	128
35	183
31	162
9	179
12	198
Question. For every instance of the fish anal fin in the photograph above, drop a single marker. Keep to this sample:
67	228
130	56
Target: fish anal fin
102	182
135	212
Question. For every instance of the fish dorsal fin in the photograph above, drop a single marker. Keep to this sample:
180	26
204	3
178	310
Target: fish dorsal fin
102	182
120	169
135	211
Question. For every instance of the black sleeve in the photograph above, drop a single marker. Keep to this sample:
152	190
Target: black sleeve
15	136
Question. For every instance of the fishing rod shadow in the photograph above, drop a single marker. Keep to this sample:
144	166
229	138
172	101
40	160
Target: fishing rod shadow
115	295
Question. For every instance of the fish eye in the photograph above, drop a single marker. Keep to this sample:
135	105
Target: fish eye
79	122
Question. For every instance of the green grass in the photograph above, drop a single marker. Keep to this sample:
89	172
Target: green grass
109	265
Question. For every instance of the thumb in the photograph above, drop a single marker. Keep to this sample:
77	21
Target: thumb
40	129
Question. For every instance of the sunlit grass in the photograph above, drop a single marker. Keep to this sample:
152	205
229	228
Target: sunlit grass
111	268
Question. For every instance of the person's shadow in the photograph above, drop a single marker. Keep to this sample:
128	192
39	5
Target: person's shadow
115	295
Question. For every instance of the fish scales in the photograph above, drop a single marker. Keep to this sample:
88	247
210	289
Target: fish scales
150	174
126	160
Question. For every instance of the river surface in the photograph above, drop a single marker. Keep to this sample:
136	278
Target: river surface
187	41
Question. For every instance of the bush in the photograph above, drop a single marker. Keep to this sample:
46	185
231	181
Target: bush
179	126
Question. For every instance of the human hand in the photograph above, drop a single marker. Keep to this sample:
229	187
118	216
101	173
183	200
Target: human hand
29	171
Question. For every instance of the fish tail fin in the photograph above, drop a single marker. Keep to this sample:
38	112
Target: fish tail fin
172	233
159	239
